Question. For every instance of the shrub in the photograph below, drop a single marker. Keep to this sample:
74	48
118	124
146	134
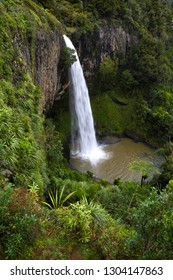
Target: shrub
120	200
76	220
153	237
128	80
19	225
89	223
107	73
111	241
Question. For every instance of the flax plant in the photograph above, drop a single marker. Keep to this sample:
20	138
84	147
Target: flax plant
57	198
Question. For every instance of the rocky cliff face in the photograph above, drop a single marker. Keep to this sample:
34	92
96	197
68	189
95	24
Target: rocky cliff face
46	72
40	59
107	40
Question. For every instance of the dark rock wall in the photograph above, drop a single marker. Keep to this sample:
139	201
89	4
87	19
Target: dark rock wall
46	71
107	40
40	58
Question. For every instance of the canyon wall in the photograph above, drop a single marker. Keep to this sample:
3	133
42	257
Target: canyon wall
107	40
40	58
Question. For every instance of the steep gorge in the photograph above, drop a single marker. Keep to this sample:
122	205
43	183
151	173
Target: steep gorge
126	51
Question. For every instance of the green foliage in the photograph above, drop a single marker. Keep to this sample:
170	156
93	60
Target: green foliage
19	134
88	221
67	58
78	185
110	8
98	214
166	167
57	198
19	225
153	226
111	242
120	200
152	121
128	81
21	130
147	169
34	189
107	73
112	112
78	221
71	15
53	148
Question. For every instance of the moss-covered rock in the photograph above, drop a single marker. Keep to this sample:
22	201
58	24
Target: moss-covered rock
112	113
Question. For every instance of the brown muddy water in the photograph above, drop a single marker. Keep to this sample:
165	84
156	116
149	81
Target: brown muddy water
120	153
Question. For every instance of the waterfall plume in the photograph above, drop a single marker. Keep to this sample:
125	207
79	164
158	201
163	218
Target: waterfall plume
83	138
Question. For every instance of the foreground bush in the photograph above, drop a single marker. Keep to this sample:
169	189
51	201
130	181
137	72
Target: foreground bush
19	224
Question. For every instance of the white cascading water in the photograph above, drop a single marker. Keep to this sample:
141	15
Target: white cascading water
84	143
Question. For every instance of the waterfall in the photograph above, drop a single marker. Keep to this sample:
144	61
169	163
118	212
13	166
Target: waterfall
83	138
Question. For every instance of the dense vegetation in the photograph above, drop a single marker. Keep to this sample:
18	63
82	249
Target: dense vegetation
49	211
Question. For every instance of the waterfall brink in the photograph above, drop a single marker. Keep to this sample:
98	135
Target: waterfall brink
84	143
